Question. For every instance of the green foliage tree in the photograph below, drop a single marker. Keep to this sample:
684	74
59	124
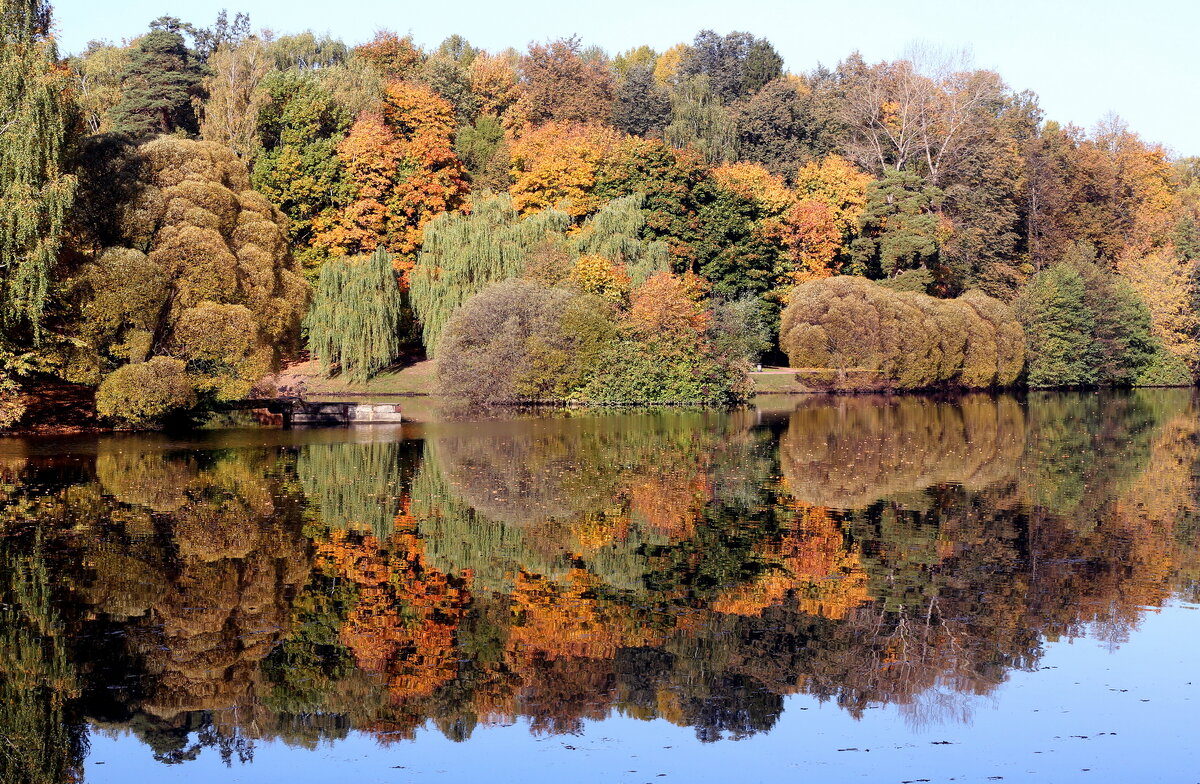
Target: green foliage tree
699	120
1086	326
901	228
355	323
731	250
158	87
615	233
483	149
36	193
737	64
640	106
774	127
299	128
741	328
38	680
462	254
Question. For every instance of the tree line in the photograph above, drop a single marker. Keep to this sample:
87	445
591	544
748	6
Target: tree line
707	170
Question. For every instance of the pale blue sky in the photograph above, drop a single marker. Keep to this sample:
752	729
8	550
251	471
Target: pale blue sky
1084	58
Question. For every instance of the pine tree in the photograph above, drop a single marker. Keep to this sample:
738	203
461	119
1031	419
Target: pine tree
35	193
356	317
158	84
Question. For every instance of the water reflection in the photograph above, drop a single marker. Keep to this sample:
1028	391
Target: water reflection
693	567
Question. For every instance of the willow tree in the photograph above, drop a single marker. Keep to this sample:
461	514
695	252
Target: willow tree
357	314
35	193
462	254
614	233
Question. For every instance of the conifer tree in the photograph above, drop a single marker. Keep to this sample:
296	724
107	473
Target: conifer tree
158	84
35	193
356	316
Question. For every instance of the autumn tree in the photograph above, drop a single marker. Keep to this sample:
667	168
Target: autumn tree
395	57
234	98
402	172
494	80
557	83
558	165
831	197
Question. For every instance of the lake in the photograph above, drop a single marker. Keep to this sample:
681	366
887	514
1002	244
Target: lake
907	589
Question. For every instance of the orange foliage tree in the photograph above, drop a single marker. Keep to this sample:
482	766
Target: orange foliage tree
403	172
830	198
395	57
559	163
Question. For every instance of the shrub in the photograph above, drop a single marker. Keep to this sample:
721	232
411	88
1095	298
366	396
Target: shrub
146	393
523	341
898	339
12	403
497	345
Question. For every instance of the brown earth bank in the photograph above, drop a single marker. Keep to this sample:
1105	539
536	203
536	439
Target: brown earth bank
54	407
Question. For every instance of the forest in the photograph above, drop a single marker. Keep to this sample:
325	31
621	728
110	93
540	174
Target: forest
188	210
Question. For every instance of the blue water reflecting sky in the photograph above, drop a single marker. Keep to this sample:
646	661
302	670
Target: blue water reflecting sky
1092	712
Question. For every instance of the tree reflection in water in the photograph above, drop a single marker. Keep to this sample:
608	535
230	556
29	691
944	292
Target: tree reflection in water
693	567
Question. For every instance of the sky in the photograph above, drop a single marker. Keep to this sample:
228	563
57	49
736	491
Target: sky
1084	58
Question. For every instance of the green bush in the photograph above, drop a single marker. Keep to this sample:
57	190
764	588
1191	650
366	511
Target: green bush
12	404
1164	370
146	393
649	372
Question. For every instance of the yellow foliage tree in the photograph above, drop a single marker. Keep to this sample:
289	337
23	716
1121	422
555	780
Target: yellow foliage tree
1164	280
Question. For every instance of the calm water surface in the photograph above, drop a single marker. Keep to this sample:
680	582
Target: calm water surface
855	589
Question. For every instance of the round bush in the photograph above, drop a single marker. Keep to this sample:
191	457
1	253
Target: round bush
146	393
